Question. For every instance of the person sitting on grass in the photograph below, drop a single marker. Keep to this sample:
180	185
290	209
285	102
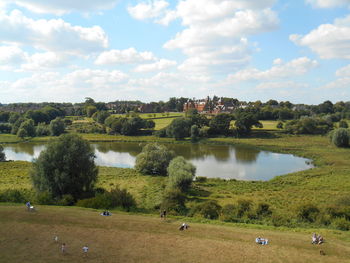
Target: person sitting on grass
85	250
184	226
320	239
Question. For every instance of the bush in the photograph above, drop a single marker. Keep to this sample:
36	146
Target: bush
5	128
160	133
13	196
243	207
343	124
66	200
201	179
181	173
154	159
308	125
42	130
174	202
210	209
115	198
204	132
2	154
341	224
45	198
263	210
228	213
279	125
194	133
340	137
57	127
308	213
179	128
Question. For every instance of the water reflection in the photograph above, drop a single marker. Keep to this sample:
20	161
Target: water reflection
228	162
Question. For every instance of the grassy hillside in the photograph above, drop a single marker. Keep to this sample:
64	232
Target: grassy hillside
28	237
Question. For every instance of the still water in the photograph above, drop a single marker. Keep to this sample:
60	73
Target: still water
223	161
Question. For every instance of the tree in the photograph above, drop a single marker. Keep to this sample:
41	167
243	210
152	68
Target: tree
220	124
194	133
66	166
343	124
57	127
101	116
245	121
2	154
90	110
154	159
340	137
28	127
179	128
181	173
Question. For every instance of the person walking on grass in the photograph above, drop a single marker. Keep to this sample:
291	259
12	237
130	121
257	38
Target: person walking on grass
63	248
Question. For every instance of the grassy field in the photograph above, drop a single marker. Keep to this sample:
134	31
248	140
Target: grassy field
136	238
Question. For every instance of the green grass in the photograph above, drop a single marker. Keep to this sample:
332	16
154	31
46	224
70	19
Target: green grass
322	185
28	237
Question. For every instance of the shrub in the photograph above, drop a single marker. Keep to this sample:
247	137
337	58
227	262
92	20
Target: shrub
154	159
2	154
204	132
160	133
201	179
308	125
228	213
343	124
263	210
174	201
243	207
45	198
115	198
12	195
210	209
341	224
5	128
181	173
42	130
66	200
57	127
179	128
308	213
340	137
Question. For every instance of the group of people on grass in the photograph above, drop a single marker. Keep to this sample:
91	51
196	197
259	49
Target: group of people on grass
64	247
317	239
261	241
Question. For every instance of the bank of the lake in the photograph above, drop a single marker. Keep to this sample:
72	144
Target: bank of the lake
322	185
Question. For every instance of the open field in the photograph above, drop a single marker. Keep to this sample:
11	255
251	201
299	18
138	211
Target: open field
135	238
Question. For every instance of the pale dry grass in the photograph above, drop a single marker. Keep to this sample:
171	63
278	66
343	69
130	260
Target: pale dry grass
28	237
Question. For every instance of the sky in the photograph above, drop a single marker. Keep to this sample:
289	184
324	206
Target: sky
151	50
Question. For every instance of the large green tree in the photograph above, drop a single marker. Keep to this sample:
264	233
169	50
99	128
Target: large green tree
66	166
179	128
154	159
220	124
245	121
57	127
181	173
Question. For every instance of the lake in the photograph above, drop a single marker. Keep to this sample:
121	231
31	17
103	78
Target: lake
222	161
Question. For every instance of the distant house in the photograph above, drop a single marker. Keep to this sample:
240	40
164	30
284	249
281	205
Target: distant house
199	105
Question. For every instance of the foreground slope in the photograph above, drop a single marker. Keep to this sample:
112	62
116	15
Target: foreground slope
28	237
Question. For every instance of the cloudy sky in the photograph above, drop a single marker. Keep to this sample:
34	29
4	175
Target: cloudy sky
65	50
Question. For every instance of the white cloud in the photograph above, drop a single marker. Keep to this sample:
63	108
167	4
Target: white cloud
343	72
162	64
49	85
328	3
51	35
296	67
152	9
60	7
11	56
126	56
216	35
329	41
